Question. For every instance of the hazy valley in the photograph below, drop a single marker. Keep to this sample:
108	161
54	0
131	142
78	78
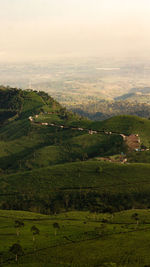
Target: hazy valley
76	81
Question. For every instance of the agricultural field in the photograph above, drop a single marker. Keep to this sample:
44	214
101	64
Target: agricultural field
75	239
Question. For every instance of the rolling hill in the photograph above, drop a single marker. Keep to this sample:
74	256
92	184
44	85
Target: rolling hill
90	185
128	125
72	193
49	155
33	137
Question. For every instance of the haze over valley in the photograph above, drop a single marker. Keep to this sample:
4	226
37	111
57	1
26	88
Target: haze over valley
75	133
76	81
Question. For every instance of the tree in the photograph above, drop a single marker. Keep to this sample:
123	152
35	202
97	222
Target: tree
56	227
35	231
135	216
18	225
17	250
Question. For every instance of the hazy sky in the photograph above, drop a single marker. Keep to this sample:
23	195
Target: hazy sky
41	29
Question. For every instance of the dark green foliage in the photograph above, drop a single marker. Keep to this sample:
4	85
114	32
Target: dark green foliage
56	227
86	185
11	98
143	157
35	230
18	225
5	115
16	249
135	216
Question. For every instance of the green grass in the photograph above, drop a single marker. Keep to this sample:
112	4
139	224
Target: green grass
84	239
21	147
45	156
50	118
31	101
112	176
90	185
128	125
32	145
143	157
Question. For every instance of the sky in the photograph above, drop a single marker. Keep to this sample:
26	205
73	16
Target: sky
44	29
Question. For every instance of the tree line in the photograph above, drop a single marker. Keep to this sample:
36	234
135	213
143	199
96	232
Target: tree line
89	199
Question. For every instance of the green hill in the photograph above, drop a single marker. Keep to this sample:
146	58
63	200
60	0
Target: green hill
27	144
128	125
90	185
48	154
26	102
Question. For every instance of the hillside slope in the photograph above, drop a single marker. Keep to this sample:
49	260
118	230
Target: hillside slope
41	133
128	125
90	185
50	158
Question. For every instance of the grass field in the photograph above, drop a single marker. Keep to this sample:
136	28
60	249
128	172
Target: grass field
111	177
81	239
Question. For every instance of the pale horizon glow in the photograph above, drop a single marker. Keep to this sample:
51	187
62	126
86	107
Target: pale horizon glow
45	29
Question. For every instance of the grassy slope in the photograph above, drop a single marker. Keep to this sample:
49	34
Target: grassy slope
25	145
90	185
21	141
127	125
111	177
84	239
